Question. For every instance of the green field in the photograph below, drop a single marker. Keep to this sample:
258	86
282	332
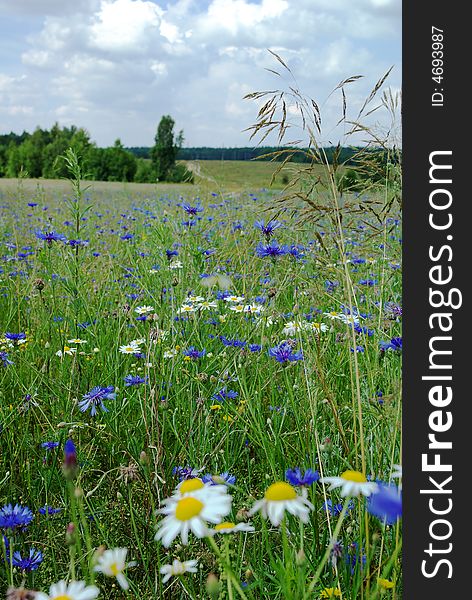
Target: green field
158	349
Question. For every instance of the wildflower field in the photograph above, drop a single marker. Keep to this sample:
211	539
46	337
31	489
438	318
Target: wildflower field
200	396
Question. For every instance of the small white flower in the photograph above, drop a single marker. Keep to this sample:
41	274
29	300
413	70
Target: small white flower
178	568
239	308
191	511
253	308
67	350
236	299
131	348
352	483
175	264
397	472
76	590
280	497
192	299
207	305
186	308
77	341
143	310
112	563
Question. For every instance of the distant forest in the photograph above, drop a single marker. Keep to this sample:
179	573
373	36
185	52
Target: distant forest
36	154
248	153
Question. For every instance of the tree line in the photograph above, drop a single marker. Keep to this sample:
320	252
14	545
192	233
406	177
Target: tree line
36	155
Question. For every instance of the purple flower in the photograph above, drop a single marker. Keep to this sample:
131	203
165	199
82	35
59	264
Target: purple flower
295	477
283	353
50	236
4	358
267	230
194	354
70	466
255	347
185	472
272	250
221	479
95	398
49	445
386	503
223	394
30	562
15	517
336	509
48	510
192	210
15	337
134	380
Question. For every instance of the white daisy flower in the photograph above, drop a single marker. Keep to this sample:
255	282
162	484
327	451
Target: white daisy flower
207	305
67	350
186	308
280	497
192	299
131	348
143	310
230	527
352	483
239	308
190	512
253	308
175	264
112	563
349	319
198	489
170	353
178	568
317	327
334	315
292	328
236	299
76	590
77	341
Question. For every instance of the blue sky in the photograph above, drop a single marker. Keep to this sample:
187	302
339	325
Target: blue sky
116	66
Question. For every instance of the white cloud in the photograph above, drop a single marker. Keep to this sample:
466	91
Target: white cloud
124	24
116	66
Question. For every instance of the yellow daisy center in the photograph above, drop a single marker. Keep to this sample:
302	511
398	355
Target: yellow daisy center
280	491
114	569
225	525
63	597
354	476
187	508
190	485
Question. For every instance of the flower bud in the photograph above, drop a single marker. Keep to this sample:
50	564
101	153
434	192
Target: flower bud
212	586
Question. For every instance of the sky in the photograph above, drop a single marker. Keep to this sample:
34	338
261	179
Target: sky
115	67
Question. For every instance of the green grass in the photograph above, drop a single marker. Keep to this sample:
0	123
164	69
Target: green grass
306	413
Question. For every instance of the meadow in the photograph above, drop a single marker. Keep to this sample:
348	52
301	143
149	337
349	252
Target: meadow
192	374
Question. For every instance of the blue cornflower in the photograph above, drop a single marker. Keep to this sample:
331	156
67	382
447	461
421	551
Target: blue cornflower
134	380
330	286
4	358
70	466
255	347
358	349
393	310
15	517
283	353
194	354
336	509
272	250
49	445
48	510
268	229
185	472
95	398
15	337
171	253
234	343
224	393
394	344
221	479
30	562
50	236
192	210
294	476
386	503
